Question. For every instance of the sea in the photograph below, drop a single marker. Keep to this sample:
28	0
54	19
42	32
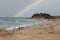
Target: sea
10	23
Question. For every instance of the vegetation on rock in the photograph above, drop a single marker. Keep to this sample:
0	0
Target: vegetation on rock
44	15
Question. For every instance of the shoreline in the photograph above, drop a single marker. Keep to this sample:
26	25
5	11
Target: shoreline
46	21
47	31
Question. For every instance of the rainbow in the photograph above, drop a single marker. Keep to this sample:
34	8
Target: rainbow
28	7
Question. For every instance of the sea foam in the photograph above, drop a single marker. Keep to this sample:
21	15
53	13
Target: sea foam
11	23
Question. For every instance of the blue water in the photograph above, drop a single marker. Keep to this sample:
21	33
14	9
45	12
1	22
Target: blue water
15	22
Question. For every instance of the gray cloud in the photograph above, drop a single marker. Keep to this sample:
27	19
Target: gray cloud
11	7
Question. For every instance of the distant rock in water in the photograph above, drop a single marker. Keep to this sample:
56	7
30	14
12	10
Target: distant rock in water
43	16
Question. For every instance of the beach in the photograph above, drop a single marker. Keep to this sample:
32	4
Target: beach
29	19
48	31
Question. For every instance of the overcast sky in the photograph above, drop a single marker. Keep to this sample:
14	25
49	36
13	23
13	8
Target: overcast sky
9	8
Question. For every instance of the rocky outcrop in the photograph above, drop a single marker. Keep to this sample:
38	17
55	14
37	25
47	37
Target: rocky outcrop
43	15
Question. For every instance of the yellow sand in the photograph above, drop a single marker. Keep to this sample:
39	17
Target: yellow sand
38	32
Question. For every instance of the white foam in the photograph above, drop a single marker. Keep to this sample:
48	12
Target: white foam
11	28
31	24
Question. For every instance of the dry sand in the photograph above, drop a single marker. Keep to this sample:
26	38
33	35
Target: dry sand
49	31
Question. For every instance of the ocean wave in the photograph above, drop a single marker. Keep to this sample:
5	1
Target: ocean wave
28	25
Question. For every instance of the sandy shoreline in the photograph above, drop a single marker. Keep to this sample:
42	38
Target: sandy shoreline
49	31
